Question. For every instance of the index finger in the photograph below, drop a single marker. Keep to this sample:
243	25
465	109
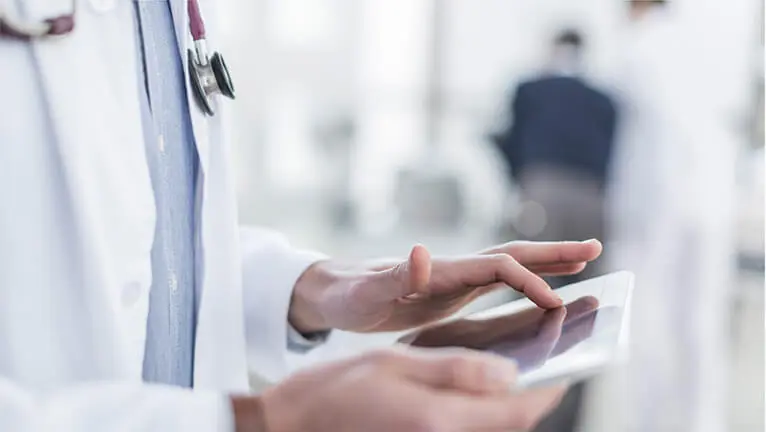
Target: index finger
537	253
481	271
523	280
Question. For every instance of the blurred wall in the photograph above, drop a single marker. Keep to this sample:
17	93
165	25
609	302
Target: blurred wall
323	80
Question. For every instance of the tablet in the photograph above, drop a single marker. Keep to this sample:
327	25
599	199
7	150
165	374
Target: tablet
571	343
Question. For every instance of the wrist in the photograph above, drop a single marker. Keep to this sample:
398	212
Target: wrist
305	314
249	414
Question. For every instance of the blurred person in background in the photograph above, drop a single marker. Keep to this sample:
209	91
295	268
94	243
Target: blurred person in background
130	297
670	217
558	146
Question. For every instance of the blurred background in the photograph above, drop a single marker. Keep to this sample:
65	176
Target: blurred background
365	126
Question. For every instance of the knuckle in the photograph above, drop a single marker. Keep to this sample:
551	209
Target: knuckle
380	357
525	420
504	260
429	419
460	372
398	272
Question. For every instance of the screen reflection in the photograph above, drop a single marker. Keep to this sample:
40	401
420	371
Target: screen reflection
530	337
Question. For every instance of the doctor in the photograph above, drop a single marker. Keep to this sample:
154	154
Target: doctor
671	206
130	299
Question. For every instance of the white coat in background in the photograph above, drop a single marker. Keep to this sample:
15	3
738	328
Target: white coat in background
76	229
670	208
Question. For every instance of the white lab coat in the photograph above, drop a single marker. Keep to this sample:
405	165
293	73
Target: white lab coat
671	218
76	229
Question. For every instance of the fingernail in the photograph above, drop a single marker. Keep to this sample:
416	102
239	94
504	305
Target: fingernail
557	298
590	240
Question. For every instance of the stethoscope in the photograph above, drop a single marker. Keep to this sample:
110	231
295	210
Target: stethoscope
208	74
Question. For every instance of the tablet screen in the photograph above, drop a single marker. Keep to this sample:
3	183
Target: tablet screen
584	333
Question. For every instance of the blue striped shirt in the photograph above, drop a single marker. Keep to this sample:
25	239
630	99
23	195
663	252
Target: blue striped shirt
173	165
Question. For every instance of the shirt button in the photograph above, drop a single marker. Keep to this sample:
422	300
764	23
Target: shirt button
131	294
173	282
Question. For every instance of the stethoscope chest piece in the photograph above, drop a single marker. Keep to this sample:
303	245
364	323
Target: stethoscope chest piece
209	79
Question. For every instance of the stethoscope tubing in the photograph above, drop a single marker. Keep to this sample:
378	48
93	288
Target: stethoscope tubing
60	25
16	28
208	75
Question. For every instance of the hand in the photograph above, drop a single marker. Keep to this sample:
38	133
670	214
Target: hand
404	390
421	290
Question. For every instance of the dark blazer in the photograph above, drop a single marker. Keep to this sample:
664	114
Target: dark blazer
560	121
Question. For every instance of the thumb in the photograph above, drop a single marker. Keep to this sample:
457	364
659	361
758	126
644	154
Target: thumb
418	270
458	370
406	278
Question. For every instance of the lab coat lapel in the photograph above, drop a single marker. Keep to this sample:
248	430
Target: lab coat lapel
219	362
199	121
